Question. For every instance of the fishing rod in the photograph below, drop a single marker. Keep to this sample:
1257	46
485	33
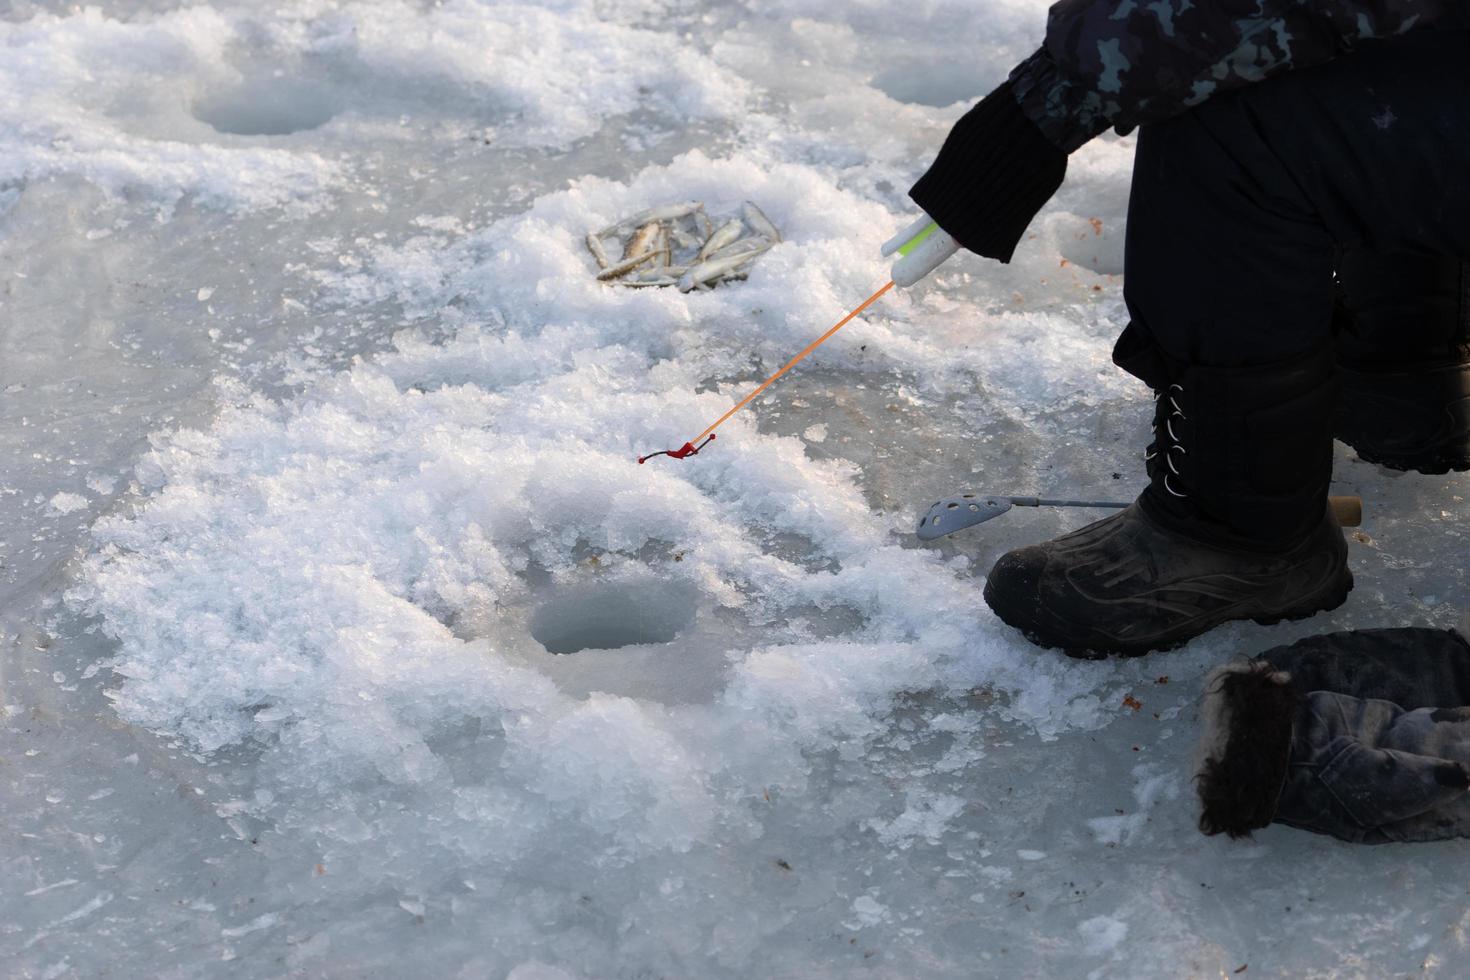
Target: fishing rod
921	248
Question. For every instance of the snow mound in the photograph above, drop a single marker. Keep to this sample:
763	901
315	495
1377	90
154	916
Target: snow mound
379	580
533	274
108	100
202	102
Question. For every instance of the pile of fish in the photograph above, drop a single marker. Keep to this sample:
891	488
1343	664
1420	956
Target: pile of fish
678	245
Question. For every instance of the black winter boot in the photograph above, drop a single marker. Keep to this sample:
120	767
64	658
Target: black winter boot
1233	525
1402	332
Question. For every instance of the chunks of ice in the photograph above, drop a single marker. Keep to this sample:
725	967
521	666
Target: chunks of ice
1102	934
868	911
65	503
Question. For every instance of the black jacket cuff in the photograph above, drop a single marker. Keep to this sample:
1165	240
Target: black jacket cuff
994	172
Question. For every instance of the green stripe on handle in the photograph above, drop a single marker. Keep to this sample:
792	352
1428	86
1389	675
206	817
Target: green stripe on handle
918	239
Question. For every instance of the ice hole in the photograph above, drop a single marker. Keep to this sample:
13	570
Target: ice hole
268	106
936	84
609	615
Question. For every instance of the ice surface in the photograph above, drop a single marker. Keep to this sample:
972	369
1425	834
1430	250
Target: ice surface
346	636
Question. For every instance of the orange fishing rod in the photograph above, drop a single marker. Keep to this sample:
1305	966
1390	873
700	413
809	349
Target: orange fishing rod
693	446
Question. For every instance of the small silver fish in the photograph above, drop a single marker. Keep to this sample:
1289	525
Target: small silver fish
641	283
751	243
652	215
757	220
713	268
652	272
625	267
686	238
594	245
644	239
727	233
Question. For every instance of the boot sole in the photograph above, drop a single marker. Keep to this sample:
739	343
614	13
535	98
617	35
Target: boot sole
1327	598
1436	466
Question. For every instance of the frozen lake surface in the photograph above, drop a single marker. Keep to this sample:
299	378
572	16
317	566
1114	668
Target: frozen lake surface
344	637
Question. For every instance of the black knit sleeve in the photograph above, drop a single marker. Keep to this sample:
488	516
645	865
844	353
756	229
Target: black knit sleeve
994	172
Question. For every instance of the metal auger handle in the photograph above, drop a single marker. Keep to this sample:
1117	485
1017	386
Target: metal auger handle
968	509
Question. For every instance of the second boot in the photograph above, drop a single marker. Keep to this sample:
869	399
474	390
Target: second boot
1234	523
1402	333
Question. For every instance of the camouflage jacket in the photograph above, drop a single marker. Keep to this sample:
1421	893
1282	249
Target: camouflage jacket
1121	63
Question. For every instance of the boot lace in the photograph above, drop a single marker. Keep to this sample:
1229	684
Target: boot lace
1167	456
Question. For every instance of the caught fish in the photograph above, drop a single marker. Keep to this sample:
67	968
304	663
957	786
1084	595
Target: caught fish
728	233
652	216
644	240
757	220
641	283
686	238
712	268
626	266
594	245
753	243
678	245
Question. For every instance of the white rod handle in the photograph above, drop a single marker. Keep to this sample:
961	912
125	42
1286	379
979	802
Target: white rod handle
929	255
922	247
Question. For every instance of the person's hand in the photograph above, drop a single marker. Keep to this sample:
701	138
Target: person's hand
921	248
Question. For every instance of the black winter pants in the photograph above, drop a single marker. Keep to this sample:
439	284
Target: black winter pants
1244	208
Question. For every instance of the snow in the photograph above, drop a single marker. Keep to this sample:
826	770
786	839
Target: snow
345	634
1102	934
65	503
1149	786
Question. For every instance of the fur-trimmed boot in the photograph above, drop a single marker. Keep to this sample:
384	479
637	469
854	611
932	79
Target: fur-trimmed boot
1402	333
1233	525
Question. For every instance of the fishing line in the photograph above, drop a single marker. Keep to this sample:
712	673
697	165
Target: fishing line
707	436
